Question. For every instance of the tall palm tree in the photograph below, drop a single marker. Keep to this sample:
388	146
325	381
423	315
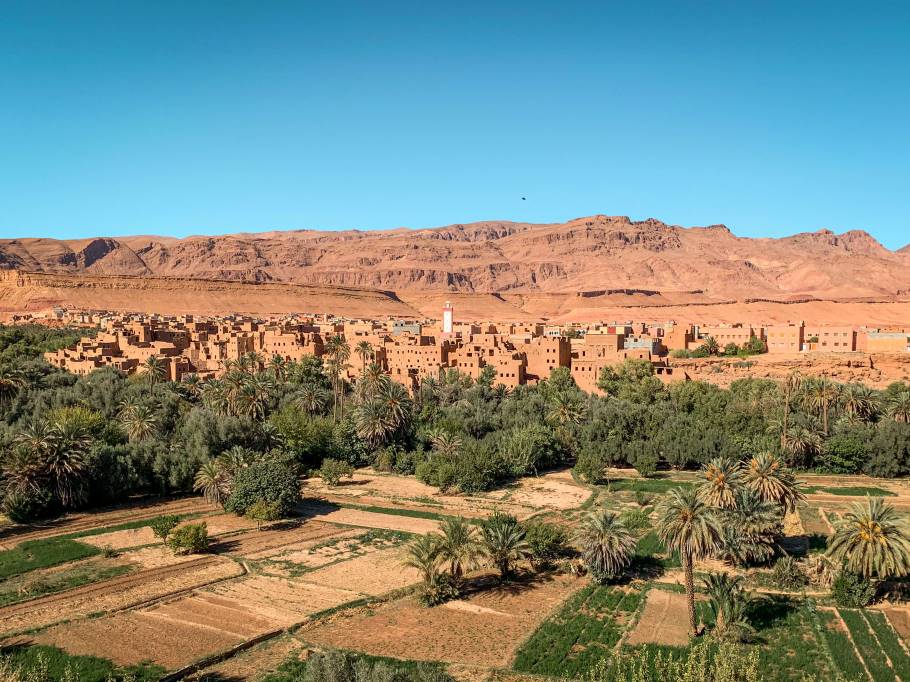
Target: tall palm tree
859	401
687	525
155	370
211	481
767	476
279	366
822	394
789	390
607	545
899	407
458	546
192	384
371	382
365	351
802	443
424	555
11	382
139	421
872	539
566	409
721	477
503	542
311	398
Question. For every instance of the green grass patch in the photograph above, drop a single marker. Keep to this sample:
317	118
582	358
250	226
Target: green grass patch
19	590
839	646
651	550
35	554
292	669
854	491
393	511
59	665
890	642
583	632
645	485
867	645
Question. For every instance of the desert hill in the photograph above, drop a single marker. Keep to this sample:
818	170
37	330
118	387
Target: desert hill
587	254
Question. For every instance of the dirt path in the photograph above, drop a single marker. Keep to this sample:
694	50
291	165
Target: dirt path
664	621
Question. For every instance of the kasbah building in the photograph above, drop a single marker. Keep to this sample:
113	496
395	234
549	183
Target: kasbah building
411	350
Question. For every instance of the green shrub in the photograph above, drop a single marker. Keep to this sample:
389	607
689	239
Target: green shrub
192	538
851	590
270	482
263	512
546	541
163	525
333	470
25	508
787	575
590	465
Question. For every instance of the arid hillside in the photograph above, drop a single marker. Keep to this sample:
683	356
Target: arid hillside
584	255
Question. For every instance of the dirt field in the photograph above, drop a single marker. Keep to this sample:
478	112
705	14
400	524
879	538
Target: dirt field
899	617
366	519
665	620
77	523
374	574
117	593
482	630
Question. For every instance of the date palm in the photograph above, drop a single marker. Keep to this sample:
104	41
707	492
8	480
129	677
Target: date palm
899	407
22	471
859	401
371	383
789	390
365	351
802	443
767	476
279	366
503	542
311	398
721	478
446	445
11	382
566	409
424	554
607	545
687	525
872	540
139	421
155	370
211	482
458	546
751	528
728	601
822	394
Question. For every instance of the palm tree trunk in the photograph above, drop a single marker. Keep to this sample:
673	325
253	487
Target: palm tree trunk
825	417
783	436
690	591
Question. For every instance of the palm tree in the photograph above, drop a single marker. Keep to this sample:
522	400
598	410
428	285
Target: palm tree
139	421
872	539
11	382
821	394
899	407
211	482
279	366
371	383
397	403
766	475
311	398
751	528
722	477
728	602
566	409
802	443
155	370
607	545
503	542
446	445
789	390
458	546
22	471
192	384
365	351
371	423
689	526
711	346
424	555
859	401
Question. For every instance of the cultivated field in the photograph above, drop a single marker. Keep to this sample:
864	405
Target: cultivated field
333	577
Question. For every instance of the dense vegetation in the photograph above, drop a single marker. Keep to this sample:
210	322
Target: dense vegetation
71	441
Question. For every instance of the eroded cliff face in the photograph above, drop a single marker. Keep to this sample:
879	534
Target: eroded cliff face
592	253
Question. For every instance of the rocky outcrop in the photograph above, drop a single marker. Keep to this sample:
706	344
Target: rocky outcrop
591	253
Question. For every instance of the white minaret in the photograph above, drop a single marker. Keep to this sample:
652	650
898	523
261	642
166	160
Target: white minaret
448	317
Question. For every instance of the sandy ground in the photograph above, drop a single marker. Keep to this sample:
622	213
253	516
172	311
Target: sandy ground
132	588
365	519
217	524
487	635
373	574
551	491
665	620
253	663
899	617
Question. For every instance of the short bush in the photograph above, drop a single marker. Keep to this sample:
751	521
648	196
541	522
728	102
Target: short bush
787	575
271	482
851	590
26	508
263	512
164	525
546	540
192	538
333	470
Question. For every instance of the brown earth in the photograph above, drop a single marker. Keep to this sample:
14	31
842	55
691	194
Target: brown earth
600	267
665	620
483	630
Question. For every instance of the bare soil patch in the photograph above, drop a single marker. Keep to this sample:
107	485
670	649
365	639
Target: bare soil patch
366	519
256	543
665	620
373	574
116	593
900	621
485	637
555	491
253	663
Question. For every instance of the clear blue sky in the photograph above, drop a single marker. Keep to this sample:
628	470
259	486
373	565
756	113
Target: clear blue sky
189	117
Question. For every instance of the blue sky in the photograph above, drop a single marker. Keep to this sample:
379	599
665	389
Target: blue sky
192	117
